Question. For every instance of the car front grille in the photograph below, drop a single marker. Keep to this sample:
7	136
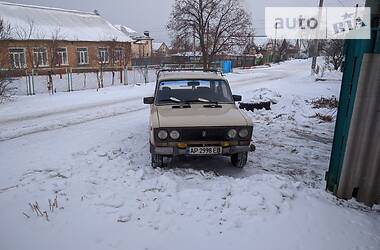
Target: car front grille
199	134
204	134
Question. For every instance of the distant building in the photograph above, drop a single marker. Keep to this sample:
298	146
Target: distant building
275	50
50	39
160	49
289	49
141	43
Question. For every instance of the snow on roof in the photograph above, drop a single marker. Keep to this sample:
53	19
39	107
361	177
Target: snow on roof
64	24
156	46
132	33
261	41
126	30
188	53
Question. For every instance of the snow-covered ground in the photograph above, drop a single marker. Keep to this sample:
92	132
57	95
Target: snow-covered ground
90	150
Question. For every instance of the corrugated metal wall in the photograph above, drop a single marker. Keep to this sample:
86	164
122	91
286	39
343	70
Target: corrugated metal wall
354	51
360	175
354	164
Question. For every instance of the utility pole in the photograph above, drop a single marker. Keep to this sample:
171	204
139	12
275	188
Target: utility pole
275	44
316	43
194	48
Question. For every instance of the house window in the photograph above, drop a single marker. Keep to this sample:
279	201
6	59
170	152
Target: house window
17	56
103	55
118	55
61	56
82	55
40	58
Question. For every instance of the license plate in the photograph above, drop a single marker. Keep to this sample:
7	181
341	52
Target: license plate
205	150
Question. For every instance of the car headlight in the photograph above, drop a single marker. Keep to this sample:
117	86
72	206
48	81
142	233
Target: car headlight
232	133
243	133
162	134
174	135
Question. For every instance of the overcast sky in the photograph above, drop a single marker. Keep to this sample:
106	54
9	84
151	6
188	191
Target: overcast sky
153	15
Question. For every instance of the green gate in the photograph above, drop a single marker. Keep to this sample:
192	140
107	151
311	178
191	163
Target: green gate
354	51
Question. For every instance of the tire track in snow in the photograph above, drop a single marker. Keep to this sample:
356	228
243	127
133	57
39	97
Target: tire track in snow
56	112
55	126
279	74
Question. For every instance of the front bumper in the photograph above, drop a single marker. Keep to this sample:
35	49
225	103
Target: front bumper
174	151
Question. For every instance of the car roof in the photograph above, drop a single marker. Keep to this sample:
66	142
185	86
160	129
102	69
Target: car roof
189	75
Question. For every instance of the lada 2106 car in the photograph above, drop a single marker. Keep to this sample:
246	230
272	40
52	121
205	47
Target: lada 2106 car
193	113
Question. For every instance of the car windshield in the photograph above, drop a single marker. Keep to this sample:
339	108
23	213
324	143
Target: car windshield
192	91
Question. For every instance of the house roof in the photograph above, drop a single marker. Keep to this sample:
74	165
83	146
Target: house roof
261	41
157	46
132	33
63	24
126	30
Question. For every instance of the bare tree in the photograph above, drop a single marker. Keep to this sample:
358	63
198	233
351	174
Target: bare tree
6	88
30	32
103	60
5	34
38	57
55	58
5	30
283	49
112	58
26	33
44	56
181	44
117	59
54	44
333	51
218	25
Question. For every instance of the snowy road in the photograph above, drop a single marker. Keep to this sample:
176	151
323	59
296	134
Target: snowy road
91	151
38	117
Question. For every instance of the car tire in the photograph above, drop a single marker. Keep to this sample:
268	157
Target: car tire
239	160
157	161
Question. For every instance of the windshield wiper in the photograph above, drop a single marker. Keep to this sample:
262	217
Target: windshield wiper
202	100
181	104
171	99
212	104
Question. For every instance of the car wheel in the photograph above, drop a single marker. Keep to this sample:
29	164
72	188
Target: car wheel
239	160
157	161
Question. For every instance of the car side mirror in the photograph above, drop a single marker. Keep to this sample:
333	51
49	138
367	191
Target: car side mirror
148	100
237	98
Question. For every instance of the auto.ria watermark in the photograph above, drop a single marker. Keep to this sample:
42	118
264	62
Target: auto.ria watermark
318	23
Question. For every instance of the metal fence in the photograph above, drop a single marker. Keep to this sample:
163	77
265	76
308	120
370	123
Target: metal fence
75	79
32	83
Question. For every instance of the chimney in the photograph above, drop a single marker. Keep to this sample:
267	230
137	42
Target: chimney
146	33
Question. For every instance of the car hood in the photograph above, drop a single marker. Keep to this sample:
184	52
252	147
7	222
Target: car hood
199	116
